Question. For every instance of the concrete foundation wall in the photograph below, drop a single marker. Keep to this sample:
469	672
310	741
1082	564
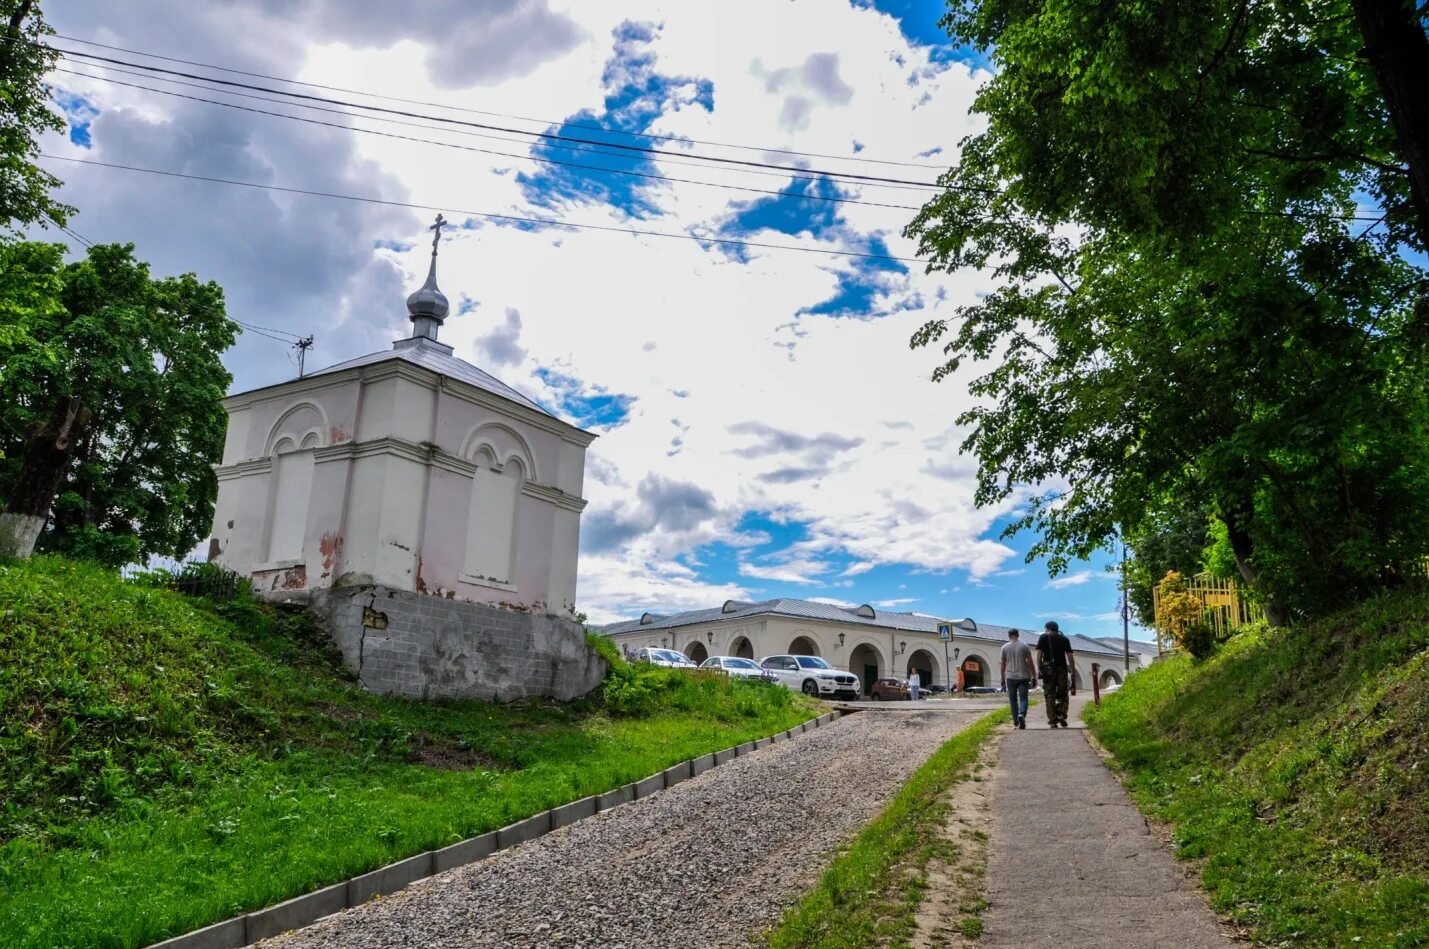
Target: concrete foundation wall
427	647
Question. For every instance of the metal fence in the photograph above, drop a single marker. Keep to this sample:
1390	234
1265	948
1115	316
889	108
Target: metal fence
1223	607
190	577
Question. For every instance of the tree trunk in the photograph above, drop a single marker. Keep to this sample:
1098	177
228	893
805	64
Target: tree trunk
1398	52
47	454
1243	546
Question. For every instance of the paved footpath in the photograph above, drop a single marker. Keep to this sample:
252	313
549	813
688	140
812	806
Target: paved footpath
1071	860
708	863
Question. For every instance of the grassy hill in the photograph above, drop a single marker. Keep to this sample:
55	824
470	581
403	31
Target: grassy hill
1295	764
166	762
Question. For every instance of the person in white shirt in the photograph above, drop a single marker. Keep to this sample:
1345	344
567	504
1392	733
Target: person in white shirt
1019	673
913	683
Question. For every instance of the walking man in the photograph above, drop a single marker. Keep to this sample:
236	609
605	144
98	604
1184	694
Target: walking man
1055	660
913	683
1018	675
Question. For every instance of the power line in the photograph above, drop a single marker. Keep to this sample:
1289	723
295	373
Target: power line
268	329
456	108
491	215
544	136
783	173
487	151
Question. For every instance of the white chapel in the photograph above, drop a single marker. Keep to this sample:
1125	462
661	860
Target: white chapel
408	469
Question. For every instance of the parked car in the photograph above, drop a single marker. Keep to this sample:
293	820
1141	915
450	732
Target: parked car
739	666
889	688
812	676
982	690
935	689
669	658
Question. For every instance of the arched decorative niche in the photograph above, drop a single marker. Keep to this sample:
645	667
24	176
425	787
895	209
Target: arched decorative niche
493	516
289	494
502	444
303	424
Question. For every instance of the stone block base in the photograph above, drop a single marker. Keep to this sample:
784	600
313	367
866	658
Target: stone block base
428	647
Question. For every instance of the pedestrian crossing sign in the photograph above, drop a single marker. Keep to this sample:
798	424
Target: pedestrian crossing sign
945	632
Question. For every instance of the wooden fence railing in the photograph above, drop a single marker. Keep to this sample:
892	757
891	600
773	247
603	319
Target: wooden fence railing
1225	609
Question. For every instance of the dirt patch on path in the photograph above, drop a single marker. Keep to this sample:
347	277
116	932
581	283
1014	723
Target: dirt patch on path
951	912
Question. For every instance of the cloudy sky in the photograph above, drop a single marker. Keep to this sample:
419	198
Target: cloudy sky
765	429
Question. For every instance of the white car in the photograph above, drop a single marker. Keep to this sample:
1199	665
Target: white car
812	676
669	658
738	666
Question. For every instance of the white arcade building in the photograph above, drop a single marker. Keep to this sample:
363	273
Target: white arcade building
868	642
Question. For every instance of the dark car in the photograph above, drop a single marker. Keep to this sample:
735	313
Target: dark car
888	689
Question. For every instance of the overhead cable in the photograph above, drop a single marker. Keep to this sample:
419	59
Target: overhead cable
494	216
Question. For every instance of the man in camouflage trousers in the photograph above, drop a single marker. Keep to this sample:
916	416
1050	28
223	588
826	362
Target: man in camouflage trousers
1056	666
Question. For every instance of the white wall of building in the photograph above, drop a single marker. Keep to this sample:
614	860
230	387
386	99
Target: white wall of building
392	474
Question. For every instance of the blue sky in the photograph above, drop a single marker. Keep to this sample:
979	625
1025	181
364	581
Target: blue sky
764	429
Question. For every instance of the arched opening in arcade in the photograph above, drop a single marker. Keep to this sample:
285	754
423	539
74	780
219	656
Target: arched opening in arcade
697	652
922	662
742	648
803	646
1110	677
864	663
975	672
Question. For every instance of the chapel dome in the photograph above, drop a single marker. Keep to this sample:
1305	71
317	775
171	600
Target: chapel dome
428	300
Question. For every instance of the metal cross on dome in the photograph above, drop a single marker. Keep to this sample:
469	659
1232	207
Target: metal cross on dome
441	223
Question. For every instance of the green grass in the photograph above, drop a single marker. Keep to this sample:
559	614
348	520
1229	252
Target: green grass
1295	765
868	896
166	763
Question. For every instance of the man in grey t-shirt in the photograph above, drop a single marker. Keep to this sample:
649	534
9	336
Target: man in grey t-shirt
1019	673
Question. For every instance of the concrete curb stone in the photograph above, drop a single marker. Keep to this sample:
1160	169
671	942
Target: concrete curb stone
229	934
701	764
523	830
621	795
744	749
724	755
296	912
648	786
763	743
467	851
677	773
388	879
572	812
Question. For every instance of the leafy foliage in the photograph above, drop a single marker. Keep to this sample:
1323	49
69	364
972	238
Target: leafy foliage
1291	763
1182	321
143	355
1182	616
26	114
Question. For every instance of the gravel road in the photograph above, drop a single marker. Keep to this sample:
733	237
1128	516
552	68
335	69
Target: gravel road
710	862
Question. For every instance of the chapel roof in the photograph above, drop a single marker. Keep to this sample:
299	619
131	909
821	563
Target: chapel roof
438	357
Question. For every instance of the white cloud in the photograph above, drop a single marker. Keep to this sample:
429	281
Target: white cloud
791	571
863	566
1076	578
895	602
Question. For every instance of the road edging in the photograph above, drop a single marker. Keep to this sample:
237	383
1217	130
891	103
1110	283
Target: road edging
247	928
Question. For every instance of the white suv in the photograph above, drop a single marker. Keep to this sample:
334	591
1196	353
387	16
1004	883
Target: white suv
812	676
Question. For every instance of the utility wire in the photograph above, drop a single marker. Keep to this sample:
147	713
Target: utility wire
490	215
504	115
544	136
487	151
268	329
784	174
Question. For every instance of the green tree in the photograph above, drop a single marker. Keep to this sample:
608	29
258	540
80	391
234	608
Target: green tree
25	113
143	355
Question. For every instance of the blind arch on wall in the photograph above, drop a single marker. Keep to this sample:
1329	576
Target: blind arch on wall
289	496
492	518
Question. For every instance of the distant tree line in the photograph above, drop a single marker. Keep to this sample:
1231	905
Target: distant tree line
1206	222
